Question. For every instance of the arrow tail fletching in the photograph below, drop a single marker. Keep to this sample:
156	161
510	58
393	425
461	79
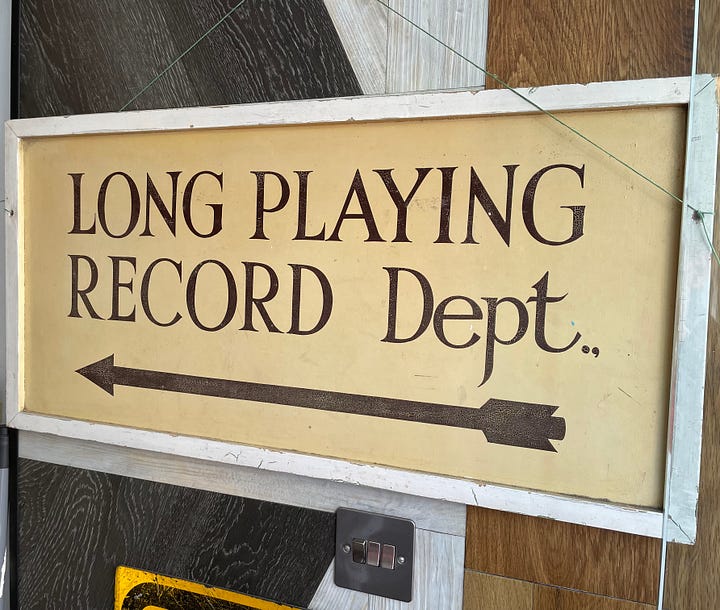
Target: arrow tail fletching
520	424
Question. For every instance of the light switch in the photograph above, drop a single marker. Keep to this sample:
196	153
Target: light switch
387	557
373	553
359	550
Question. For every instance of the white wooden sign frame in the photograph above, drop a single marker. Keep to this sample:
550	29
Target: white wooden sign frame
688	374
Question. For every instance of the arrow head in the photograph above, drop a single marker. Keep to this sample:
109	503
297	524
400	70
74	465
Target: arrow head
101	373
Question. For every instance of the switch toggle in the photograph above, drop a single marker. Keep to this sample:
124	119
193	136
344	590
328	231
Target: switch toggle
373	553
387	557
358	550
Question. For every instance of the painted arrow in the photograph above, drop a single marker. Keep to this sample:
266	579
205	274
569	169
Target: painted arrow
503	422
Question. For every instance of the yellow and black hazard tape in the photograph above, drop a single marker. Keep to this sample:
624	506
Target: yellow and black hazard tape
138	590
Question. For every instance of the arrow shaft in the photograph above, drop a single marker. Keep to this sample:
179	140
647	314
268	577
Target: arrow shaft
325	400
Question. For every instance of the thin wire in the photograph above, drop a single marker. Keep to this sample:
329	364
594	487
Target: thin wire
484	71
184	53
554	117
700	215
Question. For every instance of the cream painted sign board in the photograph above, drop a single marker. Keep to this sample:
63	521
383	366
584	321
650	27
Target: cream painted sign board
478	295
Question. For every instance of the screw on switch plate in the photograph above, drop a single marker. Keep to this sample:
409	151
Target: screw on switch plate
374	554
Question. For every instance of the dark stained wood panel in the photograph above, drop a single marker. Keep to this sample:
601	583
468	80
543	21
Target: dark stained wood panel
268	50
76	526
563	554
536	42
548	598
80	56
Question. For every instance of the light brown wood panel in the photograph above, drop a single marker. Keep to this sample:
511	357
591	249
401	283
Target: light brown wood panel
709	37
488	592
613	40
549	598
563	554
536	42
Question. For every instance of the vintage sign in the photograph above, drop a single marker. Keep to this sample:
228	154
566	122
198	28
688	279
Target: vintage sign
141	590
481	297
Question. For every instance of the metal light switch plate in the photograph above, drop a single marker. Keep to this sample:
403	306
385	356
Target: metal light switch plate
374	554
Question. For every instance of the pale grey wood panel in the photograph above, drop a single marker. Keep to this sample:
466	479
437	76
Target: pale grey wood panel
438	575
331	597
416	62
362	27
436	515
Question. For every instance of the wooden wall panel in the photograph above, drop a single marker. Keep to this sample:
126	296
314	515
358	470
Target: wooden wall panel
79	56
417	62
362	26
613	40
548	598
390	55
563	554
487	592
536	42
115	47
77	526
709	37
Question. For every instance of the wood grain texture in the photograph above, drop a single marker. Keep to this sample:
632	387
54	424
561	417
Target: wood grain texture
709	37
555	553
331	597
76	526
549	598
536	42
280	487
79	56
585	42
415	62
488	592
437	575
362	27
